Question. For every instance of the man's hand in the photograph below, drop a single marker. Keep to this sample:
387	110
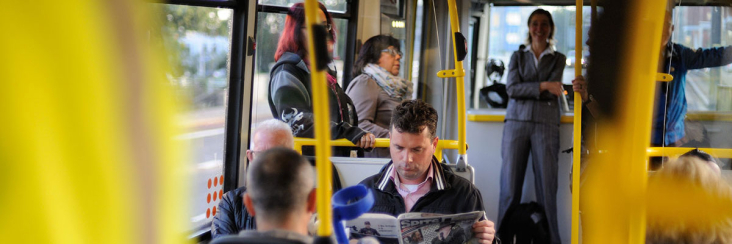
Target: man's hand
580	85
485	231
554	87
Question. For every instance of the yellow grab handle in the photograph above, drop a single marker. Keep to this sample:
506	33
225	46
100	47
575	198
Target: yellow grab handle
677	151
322	126
664	77
380	142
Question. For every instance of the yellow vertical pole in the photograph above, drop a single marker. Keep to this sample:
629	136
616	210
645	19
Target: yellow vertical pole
577	152
413	23
460	81
615	200
322	122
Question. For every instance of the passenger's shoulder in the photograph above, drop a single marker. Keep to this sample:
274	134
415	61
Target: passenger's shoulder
560	55
362	80
237	193
370	181
457	182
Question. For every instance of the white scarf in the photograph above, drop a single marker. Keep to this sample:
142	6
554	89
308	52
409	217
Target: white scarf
395	86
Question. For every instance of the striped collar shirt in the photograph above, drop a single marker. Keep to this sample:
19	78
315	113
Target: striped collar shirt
411	196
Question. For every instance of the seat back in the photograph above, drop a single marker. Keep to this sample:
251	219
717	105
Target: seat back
235	239
354	170
468	173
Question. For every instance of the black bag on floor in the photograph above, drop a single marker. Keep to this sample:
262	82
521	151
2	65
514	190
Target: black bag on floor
525	223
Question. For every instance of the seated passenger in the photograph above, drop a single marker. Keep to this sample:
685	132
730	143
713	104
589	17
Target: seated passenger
377	88
687	202
414	181
232	216
705	157
281	194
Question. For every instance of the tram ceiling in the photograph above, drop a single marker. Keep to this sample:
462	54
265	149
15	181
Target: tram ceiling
587	3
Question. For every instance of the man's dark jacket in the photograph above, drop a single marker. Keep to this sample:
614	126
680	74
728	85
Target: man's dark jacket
232	215
449	193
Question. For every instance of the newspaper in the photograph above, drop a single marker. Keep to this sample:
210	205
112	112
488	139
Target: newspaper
413	228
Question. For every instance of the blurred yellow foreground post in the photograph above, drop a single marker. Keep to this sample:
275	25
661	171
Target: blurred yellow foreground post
86	150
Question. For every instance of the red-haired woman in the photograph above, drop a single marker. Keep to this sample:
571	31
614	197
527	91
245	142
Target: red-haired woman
289	93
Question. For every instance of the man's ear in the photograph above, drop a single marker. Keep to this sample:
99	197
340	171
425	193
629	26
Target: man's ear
434	143
248	204
311	204
250	155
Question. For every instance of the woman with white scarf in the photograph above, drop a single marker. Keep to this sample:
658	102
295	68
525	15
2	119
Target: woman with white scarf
377	88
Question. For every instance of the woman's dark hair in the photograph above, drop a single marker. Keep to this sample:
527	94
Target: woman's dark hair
292	40
551	24
371	51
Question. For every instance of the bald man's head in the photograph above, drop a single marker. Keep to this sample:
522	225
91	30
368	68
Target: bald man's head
269	134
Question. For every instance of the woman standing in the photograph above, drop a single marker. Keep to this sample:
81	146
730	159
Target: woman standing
289	94
532	120
377	88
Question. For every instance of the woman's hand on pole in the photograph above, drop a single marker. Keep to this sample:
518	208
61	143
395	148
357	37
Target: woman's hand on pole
368	140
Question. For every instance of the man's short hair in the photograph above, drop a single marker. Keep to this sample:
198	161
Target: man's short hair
412	116
700	155
276	127
279	181
673	227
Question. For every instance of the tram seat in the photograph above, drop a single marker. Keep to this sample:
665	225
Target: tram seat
337	182
236	239
354	170
468	173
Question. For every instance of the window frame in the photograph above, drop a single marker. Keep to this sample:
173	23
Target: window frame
351	15
234	108
242	41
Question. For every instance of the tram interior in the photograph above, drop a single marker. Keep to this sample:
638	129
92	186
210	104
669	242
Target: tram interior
201	40
494	29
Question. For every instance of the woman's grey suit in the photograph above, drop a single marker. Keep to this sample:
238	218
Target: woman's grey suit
532	125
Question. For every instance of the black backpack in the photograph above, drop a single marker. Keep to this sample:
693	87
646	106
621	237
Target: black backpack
525	223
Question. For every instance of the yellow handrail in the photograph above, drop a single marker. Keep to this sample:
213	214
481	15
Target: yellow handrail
615	190
380	142
322	125
577	144
674	152
459	74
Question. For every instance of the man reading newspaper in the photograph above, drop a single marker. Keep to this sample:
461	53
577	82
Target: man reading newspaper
414	181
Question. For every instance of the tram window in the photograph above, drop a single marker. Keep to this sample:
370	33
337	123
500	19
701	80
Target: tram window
396	27
269	27
197	43
331	5
508	30
707	89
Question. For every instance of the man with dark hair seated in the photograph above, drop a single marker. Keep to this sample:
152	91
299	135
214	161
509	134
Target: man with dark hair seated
281	195
704	157
414	181
232	217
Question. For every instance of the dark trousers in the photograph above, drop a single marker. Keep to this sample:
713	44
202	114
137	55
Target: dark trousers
542	141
